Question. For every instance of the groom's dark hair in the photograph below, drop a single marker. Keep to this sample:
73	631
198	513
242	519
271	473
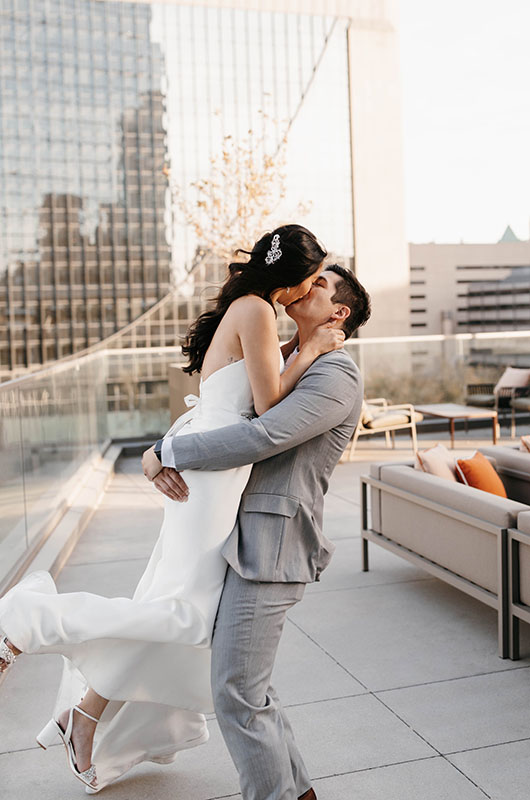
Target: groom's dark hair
350	292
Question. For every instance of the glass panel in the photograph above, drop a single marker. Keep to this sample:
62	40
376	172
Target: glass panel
13	539
54	423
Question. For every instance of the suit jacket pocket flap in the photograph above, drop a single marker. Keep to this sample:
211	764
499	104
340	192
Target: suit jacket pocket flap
271	503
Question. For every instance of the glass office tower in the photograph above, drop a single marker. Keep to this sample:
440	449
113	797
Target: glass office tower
97	99
83	246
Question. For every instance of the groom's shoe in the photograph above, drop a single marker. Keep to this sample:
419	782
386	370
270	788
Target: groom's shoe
309	795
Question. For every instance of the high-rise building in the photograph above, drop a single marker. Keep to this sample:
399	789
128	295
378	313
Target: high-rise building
100	98
469	288
83	247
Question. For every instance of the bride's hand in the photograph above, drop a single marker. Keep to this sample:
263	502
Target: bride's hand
150	463
324	339
172	484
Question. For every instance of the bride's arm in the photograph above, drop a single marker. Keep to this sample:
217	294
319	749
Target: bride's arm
256	328
289	346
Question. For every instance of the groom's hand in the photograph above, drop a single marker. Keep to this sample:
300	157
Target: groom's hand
170	482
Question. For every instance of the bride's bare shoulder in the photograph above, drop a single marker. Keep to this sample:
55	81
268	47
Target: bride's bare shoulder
249	307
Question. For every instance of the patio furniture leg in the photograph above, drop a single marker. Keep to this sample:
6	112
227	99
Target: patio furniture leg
495	422
387	437
364	524
353	443
513	593
514	638
452	432
393	435
365	554
414	437
512	428
503	626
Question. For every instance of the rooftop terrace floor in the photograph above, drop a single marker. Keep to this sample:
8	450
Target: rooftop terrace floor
391	678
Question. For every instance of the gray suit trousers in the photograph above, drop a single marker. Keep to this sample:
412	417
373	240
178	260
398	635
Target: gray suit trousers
255	728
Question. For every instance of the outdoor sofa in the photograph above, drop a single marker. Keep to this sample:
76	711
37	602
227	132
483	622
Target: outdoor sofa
457	533
514	468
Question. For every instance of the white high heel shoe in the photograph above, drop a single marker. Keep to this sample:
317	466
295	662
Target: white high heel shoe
52	730
6	655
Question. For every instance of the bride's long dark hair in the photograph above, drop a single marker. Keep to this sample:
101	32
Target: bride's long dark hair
301	256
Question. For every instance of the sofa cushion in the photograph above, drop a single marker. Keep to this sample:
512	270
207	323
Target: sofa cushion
498	511
438	461
375	494
509	457
521	403
523	521
388	418
524	445
482	400
377	466
478	472
461	546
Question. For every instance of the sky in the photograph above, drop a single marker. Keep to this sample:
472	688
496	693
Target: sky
465	68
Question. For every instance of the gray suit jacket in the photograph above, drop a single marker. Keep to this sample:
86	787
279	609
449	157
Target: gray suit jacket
294	448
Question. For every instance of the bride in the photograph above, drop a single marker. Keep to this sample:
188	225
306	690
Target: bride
136	672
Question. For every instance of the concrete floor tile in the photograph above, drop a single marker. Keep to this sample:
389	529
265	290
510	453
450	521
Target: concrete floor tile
115	533
108	578
405	633
322	678
27	699
354	733
503	771
467	713
345	483
341	523
429	779
345	569
390	627
204	773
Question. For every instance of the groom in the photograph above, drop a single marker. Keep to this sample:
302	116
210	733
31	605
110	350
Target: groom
277	545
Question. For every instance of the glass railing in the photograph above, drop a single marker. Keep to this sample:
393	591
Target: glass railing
55	422
52	424
436	369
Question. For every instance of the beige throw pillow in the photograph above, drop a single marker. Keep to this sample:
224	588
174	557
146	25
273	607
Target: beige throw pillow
513	377
525	444
436	460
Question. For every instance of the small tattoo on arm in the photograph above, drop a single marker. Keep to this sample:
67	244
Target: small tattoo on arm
230	359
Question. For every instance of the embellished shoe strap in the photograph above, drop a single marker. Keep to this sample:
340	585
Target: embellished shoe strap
89	774
6	654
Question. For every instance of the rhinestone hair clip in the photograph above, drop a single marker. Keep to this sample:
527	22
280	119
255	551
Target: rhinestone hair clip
274	253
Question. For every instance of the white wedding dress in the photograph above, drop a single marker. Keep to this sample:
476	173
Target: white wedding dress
150	655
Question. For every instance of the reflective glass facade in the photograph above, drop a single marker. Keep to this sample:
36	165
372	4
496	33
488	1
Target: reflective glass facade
95	98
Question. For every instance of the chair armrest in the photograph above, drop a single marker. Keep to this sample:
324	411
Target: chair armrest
377	401
408	406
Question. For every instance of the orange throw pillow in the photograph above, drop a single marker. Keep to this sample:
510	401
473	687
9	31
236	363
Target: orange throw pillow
478	472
